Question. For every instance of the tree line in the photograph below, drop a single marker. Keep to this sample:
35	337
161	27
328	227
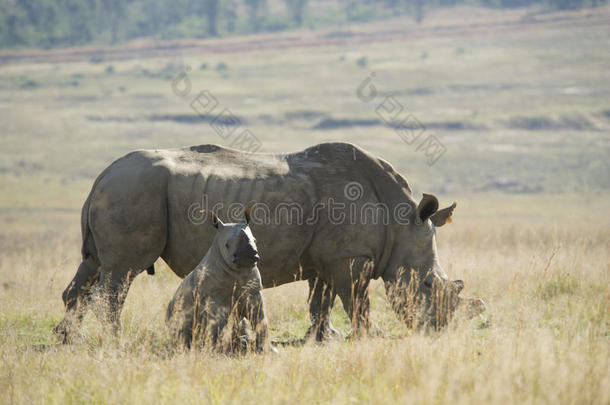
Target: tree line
55	23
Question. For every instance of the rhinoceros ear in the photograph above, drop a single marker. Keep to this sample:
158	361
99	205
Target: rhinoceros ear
443	216
427	206
248	210
214	220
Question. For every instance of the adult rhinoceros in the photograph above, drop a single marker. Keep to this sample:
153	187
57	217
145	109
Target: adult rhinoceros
323	212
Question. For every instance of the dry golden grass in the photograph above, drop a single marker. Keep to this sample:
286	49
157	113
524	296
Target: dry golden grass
544	339
540	261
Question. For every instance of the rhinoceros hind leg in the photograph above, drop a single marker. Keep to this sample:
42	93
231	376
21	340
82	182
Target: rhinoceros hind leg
113	288
76	298
321	300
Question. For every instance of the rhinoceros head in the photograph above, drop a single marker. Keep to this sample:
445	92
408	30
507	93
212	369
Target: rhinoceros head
236	242
418	288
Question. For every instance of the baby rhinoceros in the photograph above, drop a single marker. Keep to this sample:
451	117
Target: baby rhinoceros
224	287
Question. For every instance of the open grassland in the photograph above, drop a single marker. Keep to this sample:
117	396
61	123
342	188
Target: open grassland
524	114
545	338
523	108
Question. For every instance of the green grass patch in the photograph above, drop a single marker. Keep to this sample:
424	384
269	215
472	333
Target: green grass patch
28	328
562	284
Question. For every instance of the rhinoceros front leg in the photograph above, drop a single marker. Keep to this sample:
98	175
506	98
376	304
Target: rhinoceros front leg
251	308
260	325
217	326
76	297
351	279
321	301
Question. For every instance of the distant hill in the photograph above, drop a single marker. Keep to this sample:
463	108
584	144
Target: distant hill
62	23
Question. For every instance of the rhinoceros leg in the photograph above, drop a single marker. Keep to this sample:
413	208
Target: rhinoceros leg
351	279
113	287
76	297
321	300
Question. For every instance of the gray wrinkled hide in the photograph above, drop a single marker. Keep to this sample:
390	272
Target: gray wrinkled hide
212	293
138	208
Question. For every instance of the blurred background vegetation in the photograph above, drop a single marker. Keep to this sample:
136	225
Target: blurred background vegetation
519	98
518	91
58	23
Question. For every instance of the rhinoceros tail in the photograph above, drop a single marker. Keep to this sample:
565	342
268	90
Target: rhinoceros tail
88	248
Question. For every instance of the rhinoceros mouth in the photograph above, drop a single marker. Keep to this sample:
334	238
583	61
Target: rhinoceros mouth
245	261
434	308
472	307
